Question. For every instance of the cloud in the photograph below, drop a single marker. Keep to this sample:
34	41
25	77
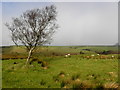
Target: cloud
87	23
80	23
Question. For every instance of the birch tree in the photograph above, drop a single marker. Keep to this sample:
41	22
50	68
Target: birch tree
33	28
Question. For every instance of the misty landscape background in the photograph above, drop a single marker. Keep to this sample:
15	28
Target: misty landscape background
80	23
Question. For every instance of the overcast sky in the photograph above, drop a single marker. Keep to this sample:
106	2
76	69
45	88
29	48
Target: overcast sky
81	23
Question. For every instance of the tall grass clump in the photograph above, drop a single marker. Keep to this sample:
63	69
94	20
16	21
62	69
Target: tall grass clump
42	82
75	77
65	83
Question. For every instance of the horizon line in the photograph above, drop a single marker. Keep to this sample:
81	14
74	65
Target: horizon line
63	45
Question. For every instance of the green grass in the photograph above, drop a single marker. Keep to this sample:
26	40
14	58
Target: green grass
48	51
75	71
17	76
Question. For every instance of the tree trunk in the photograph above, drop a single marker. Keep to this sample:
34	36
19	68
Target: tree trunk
29	56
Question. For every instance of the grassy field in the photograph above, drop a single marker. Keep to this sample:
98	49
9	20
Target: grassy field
84	68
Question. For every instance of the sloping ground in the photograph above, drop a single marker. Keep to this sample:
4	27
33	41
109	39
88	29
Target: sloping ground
72	72
54	70
14	52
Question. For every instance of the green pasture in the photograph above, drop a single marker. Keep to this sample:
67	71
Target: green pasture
75	71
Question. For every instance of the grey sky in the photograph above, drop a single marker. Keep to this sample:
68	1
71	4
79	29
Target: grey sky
81	23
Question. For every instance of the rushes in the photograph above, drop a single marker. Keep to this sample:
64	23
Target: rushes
75	77
42	82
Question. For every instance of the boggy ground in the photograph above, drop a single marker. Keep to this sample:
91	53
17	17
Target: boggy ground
84	68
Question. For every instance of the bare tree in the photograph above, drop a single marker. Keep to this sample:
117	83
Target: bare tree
34	27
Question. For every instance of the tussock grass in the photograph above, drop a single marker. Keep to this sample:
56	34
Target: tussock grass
73	72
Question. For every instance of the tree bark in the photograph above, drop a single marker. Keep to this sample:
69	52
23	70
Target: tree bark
29	56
